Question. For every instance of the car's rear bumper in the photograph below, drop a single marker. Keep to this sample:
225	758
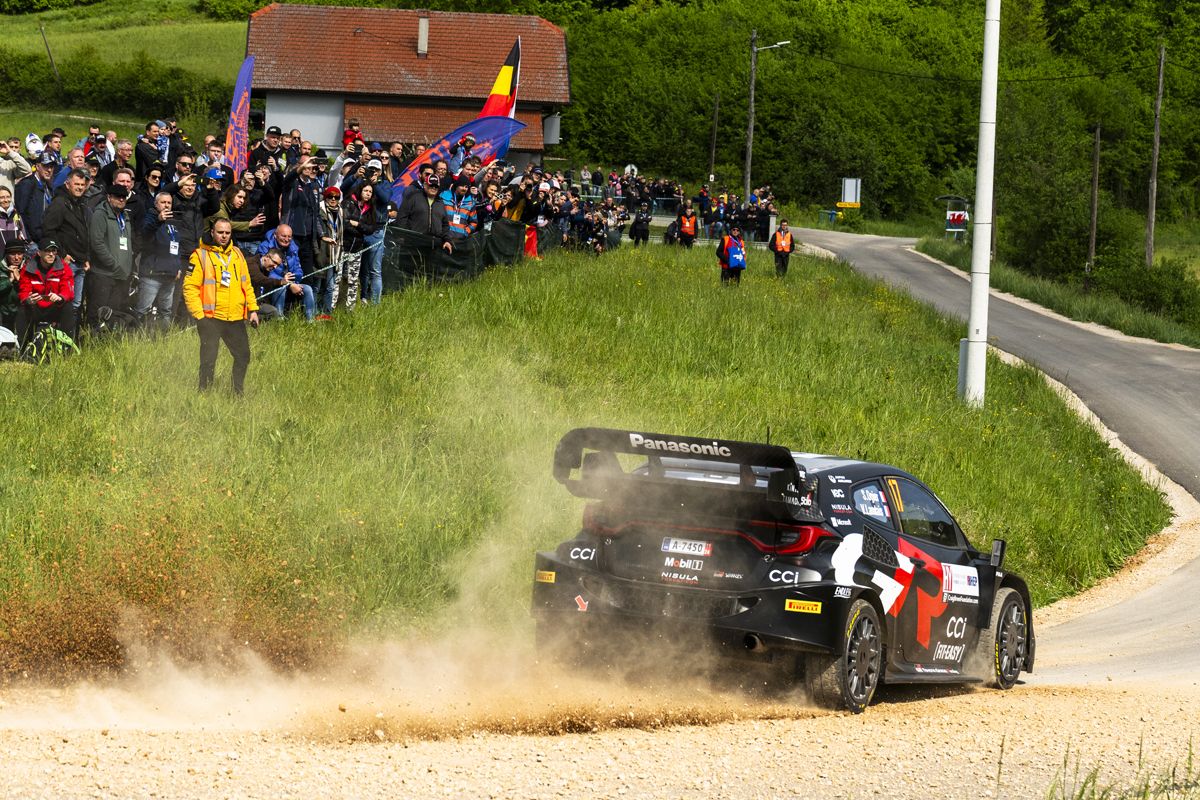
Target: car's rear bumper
802	617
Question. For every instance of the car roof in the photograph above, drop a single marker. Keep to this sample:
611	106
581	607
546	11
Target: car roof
815	464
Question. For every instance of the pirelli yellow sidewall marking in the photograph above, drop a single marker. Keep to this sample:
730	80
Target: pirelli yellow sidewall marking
802	606
544	576
853	619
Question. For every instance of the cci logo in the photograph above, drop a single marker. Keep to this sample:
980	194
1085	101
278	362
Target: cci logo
956	627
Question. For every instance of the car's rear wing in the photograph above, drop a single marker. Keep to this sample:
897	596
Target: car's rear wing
788	493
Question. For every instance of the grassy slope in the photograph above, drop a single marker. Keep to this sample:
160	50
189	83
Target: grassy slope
393	467
171	30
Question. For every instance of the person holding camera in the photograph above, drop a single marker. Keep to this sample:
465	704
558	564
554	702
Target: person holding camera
13	166
220	297
458	210
160	265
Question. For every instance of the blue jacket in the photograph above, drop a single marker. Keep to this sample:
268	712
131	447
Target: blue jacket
301	203
31	199
461	219
291	257
157	236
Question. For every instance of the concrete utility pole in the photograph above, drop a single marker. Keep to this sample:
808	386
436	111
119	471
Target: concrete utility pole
977	323
750	125
1162	62
712	148
1091	258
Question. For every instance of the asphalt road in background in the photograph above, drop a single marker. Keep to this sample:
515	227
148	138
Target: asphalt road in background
1146	392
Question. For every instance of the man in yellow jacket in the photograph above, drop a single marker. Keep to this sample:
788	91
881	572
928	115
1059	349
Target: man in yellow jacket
219	296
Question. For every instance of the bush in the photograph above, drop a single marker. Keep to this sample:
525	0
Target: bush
30	6
229	10
1168	288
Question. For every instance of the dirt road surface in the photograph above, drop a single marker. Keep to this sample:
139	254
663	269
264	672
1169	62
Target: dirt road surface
1115	693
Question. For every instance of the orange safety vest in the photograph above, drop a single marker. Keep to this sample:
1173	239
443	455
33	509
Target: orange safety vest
783	242
688	225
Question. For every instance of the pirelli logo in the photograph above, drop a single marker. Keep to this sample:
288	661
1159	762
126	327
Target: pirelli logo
802	606
544	576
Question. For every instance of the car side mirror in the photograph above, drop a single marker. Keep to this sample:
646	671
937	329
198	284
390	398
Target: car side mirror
998	548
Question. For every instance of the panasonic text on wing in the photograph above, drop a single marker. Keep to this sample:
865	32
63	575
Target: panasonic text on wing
671	446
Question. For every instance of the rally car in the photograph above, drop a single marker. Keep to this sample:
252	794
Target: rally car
851	573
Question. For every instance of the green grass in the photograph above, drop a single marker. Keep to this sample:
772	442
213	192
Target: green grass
170	30
1069	301
1178	241
20	122
392	468
811	217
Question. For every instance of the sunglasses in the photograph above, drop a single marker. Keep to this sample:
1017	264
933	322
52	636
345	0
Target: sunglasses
183	163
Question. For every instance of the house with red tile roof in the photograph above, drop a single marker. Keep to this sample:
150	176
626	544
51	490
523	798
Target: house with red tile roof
405	75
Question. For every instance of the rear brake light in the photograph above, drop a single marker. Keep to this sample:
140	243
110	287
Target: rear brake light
795	539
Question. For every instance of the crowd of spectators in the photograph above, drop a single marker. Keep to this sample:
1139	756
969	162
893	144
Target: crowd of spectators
99	234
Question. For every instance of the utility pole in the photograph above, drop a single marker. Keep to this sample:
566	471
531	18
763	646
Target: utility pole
712	149
975	373
1162	62
750	125
1091	257
45	41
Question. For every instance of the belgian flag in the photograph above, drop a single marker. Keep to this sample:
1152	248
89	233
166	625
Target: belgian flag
502	102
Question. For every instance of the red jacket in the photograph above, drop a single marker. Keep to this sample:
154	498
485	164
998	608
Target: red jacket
58	279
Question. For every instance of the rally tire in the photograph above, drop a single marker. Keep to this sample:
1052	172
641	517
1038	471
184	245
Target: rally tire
848	678
1005	643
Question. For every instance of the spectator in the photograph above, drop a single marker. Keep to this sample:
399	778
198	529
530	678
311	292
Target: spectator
270	152
301	204
331	228
52	144
10	282
359	214
160	266
185	165
639	231
75	160
415	210
686	224
459	216
189	222
13	166
783	245
220	298
290	273
146	151
112	256
230	209
34	195
12	227
252	209
123	160
66	222
46	288
731	255
353	133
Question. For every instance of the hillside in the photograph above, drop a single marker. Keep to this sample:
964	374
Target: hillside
391	469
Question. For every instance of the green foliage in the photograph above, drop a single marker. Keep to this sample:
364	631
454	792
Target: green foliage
30	6
140	85
407	475
229	10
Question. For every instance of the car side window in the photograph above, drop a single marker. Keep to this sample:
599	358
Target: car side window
921	515
871	501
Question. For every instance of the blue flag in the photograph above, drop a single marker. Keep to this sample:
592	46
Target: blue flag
237	136
492	135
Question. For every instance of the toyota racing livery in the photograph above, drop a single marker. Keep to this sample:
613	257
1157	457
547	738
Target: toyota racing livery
852	571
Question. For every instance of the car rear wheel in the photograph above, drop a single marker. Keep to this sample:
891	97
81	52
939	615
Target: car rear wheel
1005	644
848	678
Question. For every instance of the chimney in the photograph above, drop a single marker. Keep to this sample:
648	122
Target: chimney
422	36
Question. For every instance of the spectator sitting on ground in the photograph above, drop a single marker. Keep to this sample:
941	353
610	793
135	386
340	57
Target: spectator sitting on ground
289	273
46	288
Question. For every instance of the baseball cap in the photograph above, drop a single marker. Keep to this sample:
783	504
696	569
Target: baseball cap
48	244
47	159
214	174
374	163
116	190
274	131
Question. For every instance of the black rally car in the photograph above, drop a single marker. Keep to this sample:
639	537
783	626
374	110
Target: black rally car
853	572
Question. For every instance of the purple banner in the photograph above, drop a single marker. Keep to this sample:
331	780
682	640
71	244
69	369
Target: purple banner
491	139
237	136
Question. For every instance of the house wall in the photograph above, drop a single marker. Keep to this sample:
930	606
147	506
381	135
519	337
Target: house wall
318	116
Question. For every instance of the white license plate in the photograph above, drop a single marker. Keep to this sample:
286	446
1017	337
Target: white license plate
687	547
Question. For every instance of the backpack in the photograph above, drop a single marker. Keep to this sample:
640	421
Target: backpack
47	344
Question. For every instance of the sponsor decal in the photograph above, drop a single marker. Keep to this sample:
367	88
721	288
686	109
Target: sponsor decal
934	670
580	603
737	576
841	508
672	446
949	652
695	564
837	522
802	606
960	580
792	576
679	577
840	494
686	547
959	598
835	479
842	592
544	576
956	627
583	554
